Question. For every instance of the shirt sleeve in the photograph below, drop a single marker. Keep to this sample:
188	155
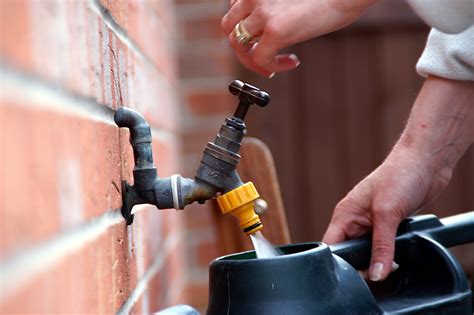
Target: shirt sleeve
449	56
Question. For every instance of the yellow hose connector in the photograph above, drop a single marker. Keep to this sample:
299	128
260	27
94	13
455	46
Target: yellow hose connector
240	202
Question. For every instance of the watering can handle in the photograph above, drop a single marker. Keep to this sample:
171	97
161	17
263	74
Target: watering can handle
449	231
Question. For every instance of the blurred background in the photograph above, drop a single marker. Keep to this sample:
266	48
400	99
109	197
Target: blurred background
67	65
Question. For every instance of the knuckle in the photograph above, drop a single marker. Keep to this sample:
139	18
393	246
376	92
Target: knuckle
341	214
388	210
259	60
224	23
382	208
232	41
344	204
246	3
273	30
260	14
381	249
349	207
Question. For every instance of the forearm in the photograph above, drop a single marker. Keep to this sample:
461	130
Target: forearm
441	125
342	13
351	6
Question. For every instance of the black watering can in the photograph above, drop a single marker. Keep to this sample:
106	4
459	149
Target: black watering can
314	278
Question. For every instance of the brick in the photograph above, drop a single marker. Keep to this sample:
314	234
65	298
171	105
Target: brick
205	235
172	220
207	252
168	278
198	2
197	296
61	170
167	281
68	166
210	102
149	29
93	280
71	166
54	46
202	28
13	27
112	265
151	228
200	216
205	62
196	139
87	58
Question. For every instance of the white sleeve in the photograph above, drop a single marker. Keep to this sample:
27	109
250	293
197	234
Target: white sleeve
449	56
449	51
447	16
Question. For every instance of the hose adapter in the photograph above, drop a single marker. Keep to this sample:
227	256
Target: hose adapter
240	203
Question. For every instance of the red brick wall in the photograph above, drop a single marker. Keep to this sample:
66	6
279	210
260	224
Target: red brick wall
65	67
206	67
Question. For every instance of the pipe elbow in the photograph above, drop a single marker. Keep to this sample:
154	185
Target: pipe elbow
140	131
140	136
128	118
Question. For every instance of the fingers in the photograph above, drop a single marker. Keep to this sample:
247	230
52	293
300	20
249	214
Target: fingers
365	273
243	54
253	24
385	224
264	54
351	217
334	234
238	11
242	12
260	57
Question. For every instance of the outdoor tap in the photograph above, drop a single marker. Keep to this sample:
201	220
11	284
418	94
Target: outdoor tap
216	176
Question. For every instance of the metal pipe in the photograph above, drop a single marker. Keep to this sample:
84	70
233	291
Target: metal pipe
140	136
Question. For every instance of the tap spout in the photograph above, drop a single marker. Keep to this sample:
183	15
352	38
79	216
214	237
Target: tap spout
187	190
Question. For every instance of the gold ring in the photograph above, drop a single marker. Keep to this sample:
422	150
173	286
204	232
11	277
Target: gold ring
242	35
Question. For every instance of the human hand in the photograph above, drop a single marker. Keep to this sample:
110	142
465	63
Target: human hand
439	130
403	183
281	23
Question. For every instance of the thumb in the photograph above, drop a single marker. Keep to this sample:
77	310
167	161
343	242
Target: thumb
385	224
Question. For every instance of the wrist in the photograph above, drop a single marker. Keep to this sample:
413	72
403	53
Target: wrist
434	156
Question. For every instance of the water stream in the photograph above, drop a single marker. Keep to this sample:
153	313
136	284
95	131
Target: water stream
263	248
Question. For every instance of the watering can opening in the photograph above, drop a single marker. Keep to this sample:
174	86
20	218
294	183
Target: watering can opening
285	250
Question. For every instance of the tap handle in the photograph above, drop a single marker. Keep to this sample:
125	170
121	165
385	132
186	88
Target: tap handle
248	95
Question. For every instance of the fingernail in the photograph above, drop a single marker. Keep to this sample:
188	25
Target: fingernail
376	271
271	75
395	266
295	59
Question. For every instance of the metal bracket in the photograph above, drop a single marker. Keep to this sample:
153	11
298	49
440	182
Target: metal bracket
129	197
